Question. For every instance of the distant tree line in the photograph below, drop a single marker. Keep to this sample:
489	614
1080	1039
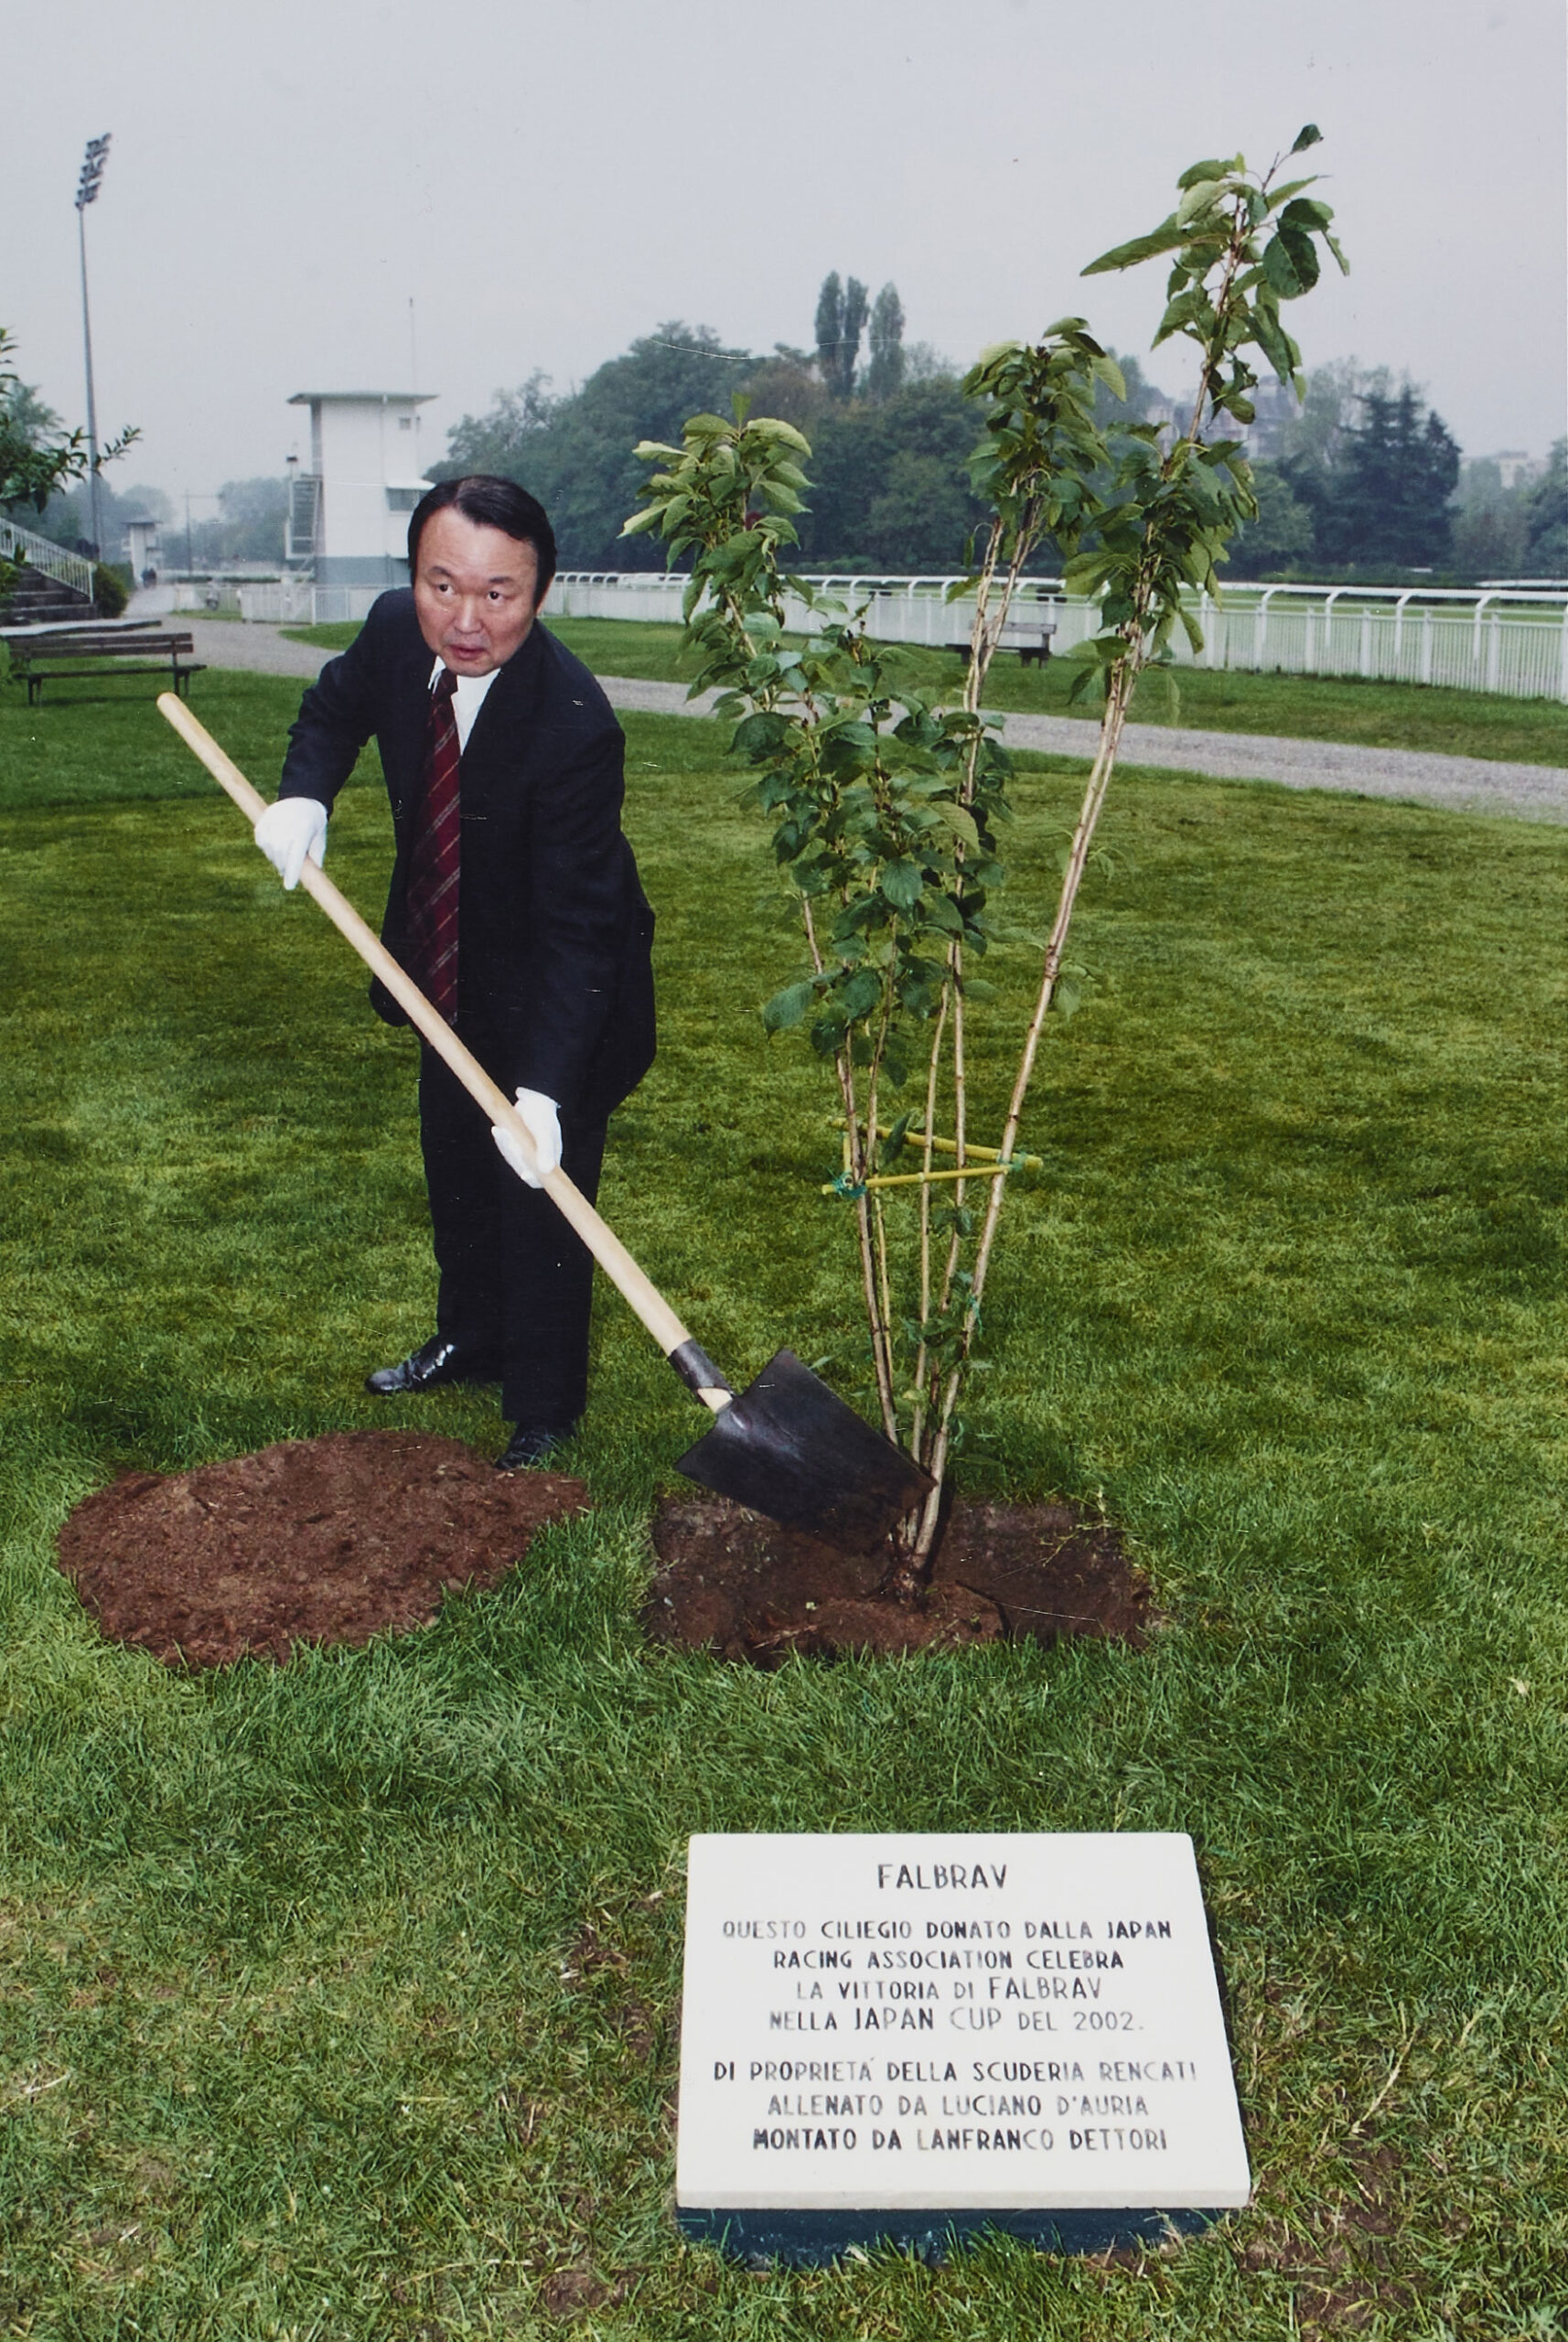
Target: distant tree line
1364	480
1361	479
889	438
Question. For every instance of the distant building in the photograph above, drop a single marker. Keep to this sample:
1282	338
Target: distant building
347	515
1275	406
143	549
1515	468
1272	403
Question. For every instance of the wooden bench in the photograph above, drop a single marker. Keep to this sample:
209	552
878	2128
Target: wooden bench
1030	638
1026	636
88	651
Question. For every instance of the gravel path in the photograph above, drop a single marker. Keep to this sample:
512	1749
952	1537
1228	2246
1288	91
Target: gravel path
1460	784
260	650
1463	784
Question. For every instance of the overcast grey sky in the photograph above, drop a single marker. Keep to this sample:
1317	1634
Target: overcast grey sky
548	182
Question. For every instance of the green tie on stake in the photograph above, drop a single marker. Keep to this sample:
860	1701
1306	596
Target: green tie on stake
787	1445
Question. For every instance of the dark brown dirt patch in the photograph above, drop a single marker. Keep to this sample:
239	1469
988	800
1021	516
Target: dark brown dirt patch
314	1540
621	2010
733	1581
574	2292
1346	2263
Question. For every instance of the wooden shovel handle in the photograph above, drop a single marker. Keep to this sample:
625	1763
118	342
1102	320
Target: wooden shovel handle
605	1246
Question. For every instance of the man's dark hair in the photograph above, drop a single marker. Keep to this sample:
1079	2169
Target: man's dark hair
489	503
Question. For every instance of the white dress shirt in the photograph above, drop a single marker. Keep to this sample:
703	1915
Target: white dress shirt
467	700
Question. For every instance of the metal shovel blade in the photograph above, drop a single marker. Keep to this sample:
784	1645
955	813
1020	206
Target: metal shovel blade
789	1447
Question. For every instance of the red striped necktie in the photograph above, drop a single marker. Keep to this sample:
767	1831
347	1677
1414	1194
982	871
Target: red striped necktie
433	861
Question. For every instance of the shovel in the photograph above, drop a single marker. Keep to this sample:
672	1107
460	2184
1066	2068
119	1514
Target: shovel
788	1446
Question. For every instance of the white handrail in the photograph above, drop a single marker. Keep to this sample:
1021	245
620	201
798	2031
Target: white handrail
42	554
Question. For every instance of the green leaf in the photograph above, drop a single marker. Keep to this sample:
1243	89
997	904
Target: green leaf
1200	197
769	426
1292	187
892	1146
1302	252
1279	269
1197	172
1307	135
903	883
959	819
640	522
762	731
859	995
788	1007
1167	238
1274	343
1107	370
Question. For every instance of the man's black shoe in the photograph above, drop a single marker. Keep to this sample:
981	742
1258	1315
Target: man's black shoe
530	1443
434	1363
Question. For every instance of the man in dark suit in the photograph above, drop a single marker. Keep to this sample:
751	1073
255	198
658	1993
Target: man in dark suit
516	907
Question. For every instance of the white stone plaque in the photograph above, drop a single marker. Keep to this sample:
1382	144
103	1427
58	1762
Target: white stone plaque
956	2024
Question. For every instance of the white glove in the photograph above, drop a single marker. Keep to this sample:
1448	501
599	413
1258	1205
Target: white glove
544	1124
288	831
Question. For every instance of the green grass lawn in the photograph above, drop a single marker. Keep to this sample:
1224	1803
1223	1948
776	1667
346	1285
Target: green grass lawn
341	1999
1301	707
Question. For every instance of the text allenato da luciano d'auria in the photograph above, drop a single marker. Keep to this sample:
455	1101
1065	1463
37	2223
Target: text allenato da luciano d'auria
884	1975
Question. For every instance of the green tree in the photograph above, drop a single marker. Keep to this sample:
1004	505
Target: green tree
888	811
840	321
889	484
1312	438
1380	499
1491	522
507	441
248	524
573	452
29	431
923	515
789	386
884	374
37	458
1546	542
66	519
1281	533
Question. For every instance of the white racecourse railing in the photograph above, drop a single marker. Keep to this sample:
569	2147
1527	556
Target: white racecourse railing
290	601
1513	640
39	552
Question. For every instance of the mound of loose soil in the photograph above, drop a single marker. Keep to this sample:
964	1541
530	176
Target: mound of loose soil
314	1540
733	1581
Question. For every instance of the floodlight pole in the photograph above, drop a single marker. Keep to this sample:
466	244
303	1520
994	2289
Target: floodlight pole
87	188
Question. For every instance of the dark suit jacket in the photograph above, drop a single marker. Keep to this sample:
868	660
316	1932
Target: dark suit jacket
554	931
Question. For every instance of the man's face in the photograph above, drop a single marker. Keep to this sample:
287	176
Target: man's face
474	592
